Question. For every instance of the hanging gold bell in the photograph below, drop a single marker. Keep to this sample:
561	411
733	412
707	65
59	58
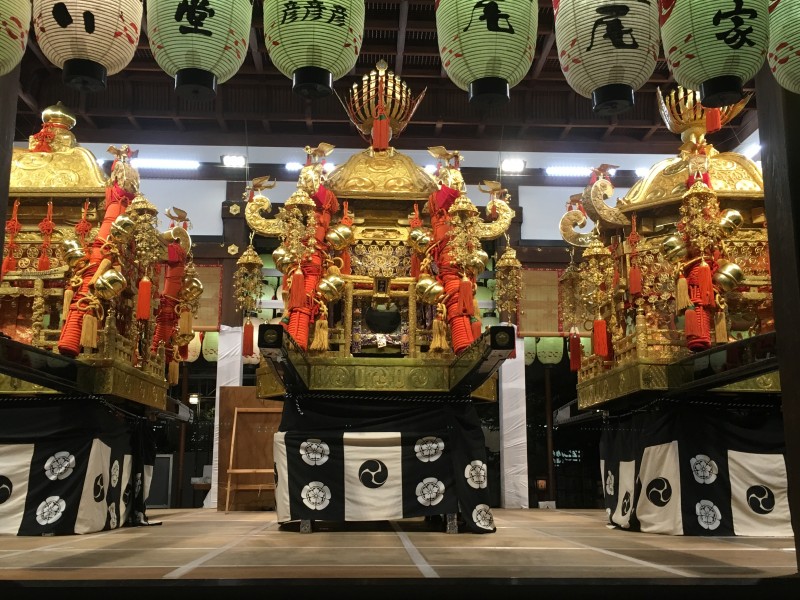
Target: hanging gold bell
730	220
339	237
428	290
330	287
110	284
123	229
476	263
674	248
283	259
419	240
73	252
728	276
191	288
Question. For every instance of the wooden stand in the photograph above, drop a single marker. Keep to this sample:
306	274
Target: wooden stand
231	487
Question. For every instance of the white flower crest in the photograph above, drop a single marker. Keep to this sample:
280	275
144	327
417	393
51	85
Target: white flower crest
610	484
115	474
429	449
50	510
704	469
59	466
430	491
112	515
482	515
314	452
708	515
475	472
316	495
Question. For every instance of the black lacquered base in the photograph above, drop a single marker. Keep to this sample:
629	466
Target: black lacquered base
612	99
489	91
196	84
312	82
721	91
84	75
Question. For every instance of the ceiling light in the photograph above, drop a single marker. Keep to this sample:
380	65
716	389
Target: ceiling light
293	166
568	171
165	163
328	167
194	398
642	171
234	161
431	169
513	165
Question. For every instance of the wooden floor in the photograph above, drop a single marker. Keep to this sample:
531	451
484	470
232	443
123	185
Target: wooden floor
551	553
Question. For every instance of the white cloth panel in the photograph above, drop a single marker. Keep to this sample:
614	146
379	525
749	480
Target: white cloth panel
659	507
16	461
229	373
759	494
513	431
367	499
626	481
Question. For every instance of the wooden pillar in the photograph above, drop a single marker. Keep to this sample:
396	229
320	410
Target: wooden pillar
235	232
9	87
779	132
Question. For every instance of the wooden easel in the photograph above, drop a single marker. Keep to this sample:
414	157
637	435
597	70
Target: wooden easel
245	471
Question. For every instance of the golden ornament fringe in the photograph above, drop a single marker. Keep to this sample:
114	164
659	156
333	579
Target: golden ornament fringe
89	331
320	341
720	327
69	294
682	300
173	372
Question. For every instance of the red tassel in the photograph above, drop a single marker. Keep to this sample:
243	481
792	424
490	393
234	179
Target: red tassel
575	351
297	291
713	120
475	324
247	340
143	310
465	304
600	338
690	327
635	280
9	263
706	284
414	265
346	268
183	352
44	260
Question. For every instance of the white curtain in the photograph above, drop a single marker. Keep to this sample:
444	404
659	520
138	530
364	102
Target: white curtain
229	373
513	431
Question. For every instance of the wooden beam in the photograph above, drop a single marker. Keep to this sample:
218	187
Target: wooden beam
255	53
543	54
401	37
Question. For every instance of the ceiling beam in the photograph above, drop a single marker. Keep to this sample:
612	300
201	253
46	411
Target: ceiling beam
255	52
401	37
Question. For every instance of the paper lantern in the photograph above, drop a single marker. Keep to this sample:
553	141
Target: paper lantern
529	343
784	43
211	346
486	47
88	41
314	46
15	21
550	350
607	49
195	347
714	46
199	43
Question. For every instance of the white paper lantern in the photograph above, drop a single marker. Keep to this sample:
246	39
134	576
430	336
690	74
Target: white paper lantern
529	343
211	346
199	43
487	47
714	46
88	41
550	350
784	43
607	49
195	347
314	45
15	22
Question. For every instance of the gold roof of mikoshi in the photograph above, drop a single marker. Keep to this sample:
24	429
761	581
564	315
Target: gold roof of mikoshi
733	175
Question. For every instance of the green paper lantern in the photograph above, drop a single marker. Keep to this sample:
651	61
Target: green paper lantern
487	47
607	49
199	43
314	46
714	46
784	43
15	22
88	41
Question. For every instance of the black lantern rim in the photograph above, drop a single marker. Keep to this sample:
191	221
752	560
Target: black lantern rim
312	82
84	75
196	84
721	91
489	91
612	99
